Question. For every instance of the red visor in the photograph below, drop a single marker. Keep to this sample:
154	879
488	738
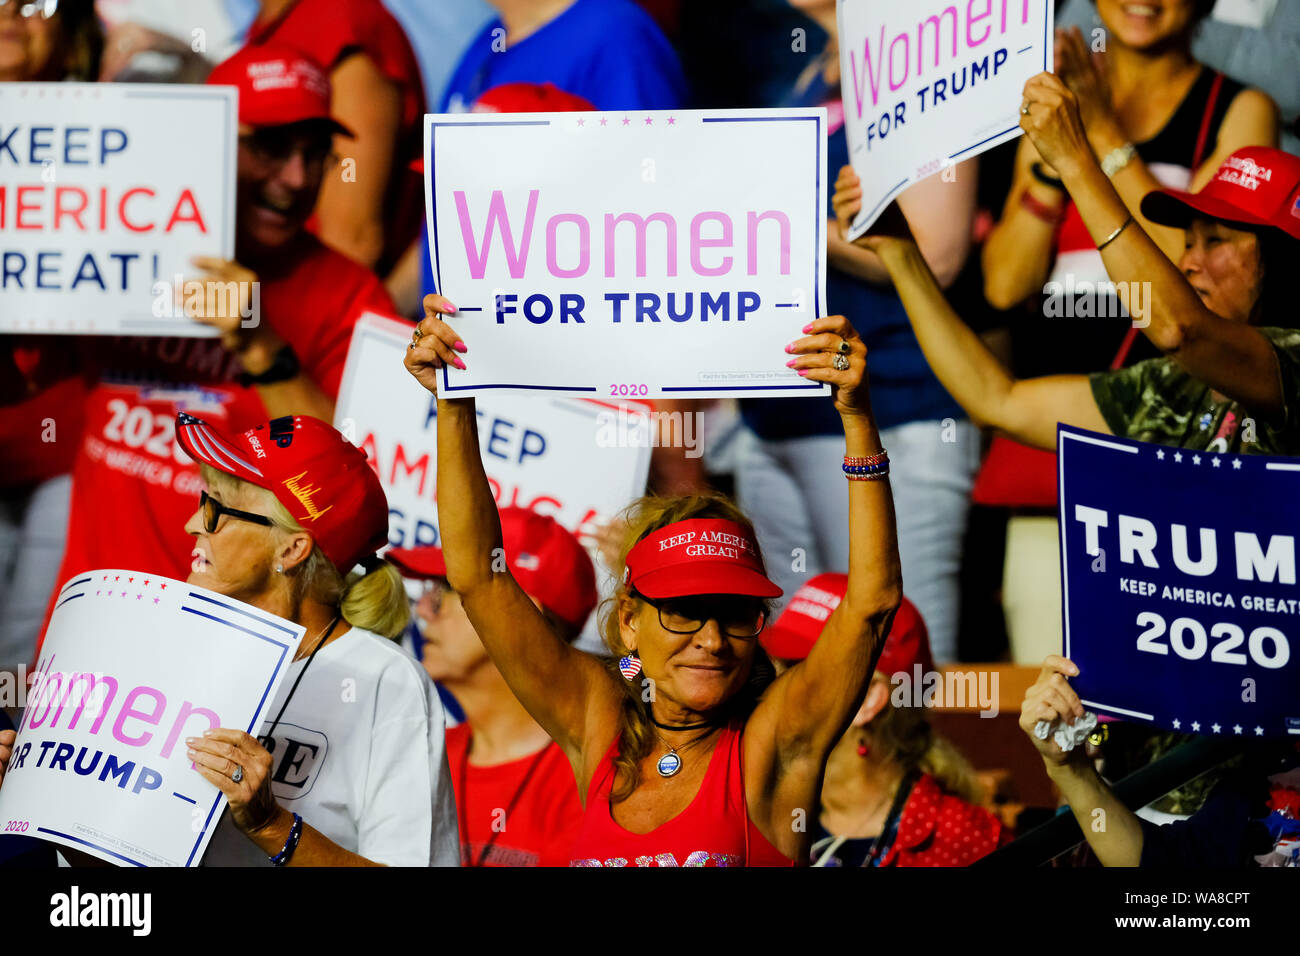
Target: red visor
792	635
699	556
322	479
548	562
1255	186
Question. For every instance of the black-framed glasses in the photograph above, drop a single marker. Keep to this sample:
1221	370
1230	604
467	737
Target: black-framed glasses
46	8
736	616
275	145
213	510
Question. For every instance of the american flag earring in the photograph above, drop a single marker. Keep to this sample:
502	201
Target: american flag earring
629	665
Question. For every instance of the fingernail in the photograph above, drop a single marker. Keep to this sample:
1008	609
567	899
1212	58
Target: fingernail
461	347
449	308
789	348
802	371
790	364
191	754
458	363
807	329
191	740
207	733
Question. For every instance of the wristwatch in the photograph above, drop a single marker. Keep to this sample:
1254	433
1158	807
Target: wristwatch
283	367
1117	159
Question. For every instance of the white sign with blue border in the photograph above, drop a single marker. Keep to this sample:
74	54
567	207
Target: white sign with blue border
133	664
629	255
927	84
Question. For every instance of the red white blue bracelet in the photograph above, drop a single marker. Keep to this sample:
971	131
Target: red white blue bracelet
868	468
290	843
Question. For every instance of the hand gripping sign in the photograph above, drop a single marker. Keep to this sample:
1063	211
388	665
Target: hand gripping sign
576	460
1178	570
641	254
133	664
106	192
927	84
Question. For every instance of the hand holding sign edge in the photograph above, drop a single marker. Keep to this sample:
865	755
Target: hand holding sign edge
1051	698
889	230
816	353
434	344
216	755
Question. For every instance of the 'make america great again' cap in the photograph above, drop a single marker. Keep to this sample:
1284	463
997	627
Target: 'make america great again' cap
323	479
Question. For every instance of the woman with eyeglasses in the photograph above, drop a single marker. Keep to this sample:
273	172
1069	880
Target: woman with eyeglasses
348	768
49	40
685	751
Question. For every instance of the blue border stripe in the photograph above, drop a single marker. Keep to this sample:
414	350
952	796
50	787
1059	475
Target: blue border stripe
983	141
231	607
185	798
889	197
73	584
70	597
735	388
102	849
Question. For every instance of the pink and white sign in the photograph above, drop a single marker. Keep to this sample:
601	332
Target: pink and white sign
133	664
927	84
637	255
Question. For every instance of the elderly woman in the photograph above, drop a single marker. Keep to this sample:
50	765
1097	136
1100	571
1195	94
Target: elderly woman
1230	372
896	793
336	779
683	755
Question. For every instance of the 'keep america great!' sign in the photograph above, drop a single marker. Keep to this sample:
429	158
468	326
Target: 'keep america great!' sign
1179	578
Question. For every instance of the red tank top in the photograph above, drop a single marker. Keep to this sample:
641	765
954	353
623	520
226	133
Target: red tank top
713	830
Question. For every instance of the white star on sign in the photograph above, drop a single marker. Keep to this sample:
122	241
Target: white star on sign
1196	727
1236	728
1196	459
1178	456
1215	727
1259	731
1214	462
1160	454
1236	463
1177	725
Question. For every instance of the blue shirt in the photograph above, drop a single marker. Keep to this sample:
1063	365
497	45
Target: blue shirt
609	52
903	389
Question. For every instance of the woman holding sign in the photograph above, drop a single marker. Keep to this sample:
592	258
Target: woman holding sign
1229	377
683	753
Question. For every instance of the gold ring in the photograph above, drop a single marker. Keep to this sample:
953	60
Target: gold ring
1024	108
415	336
844	347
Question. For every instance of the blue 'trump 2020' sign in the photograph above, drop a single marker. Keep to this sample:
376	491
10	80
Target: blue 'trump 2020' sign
1179	576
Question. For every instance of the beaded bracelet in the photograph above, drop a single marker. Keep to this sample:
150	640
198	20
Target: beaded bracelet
869	468
290	843
875	459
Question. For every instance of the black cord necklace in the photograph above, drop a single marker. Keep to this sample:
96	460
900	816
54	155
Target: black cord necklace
701	724
298	680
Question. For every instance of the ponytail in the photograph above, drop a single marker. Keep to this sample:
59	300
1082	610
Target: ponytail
376	601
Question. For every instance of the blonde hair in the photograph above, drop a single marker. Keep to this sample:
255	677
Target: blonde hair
905	736
636	735
372	601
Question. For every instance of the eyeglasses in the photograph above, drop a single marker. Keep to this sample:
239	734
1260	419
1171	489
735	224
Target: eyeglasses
213	510
276	146
736	616
46	8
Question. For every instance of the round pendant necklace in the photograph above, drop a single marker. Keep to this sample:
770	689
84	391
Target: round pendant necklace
671	763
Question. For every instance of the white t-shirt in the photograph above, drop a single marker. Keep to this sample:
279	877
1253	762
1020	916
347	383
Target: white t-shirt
359	754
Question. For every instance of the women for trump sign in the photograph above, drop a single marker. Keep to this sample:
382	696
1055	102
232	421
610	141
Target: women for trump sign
1180	596
641	254
133	664
927	84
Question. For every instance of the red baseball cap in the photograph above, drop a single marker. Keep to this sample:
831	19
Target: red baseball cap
318	475
530	98
277	86
698	556
545	558
794	633
1255	186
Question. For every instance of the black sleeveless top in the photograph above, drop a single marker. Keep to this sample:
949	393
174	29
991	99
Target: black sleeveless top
1043	345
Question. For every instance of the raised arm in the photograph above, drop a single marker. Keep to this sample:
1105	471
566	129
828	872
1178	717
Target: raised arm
1018	253
1118	842
1229	356
797	722
559	686
1028	409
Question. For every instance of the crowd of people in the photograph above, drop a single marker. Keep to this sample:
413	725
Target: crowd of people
741	712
